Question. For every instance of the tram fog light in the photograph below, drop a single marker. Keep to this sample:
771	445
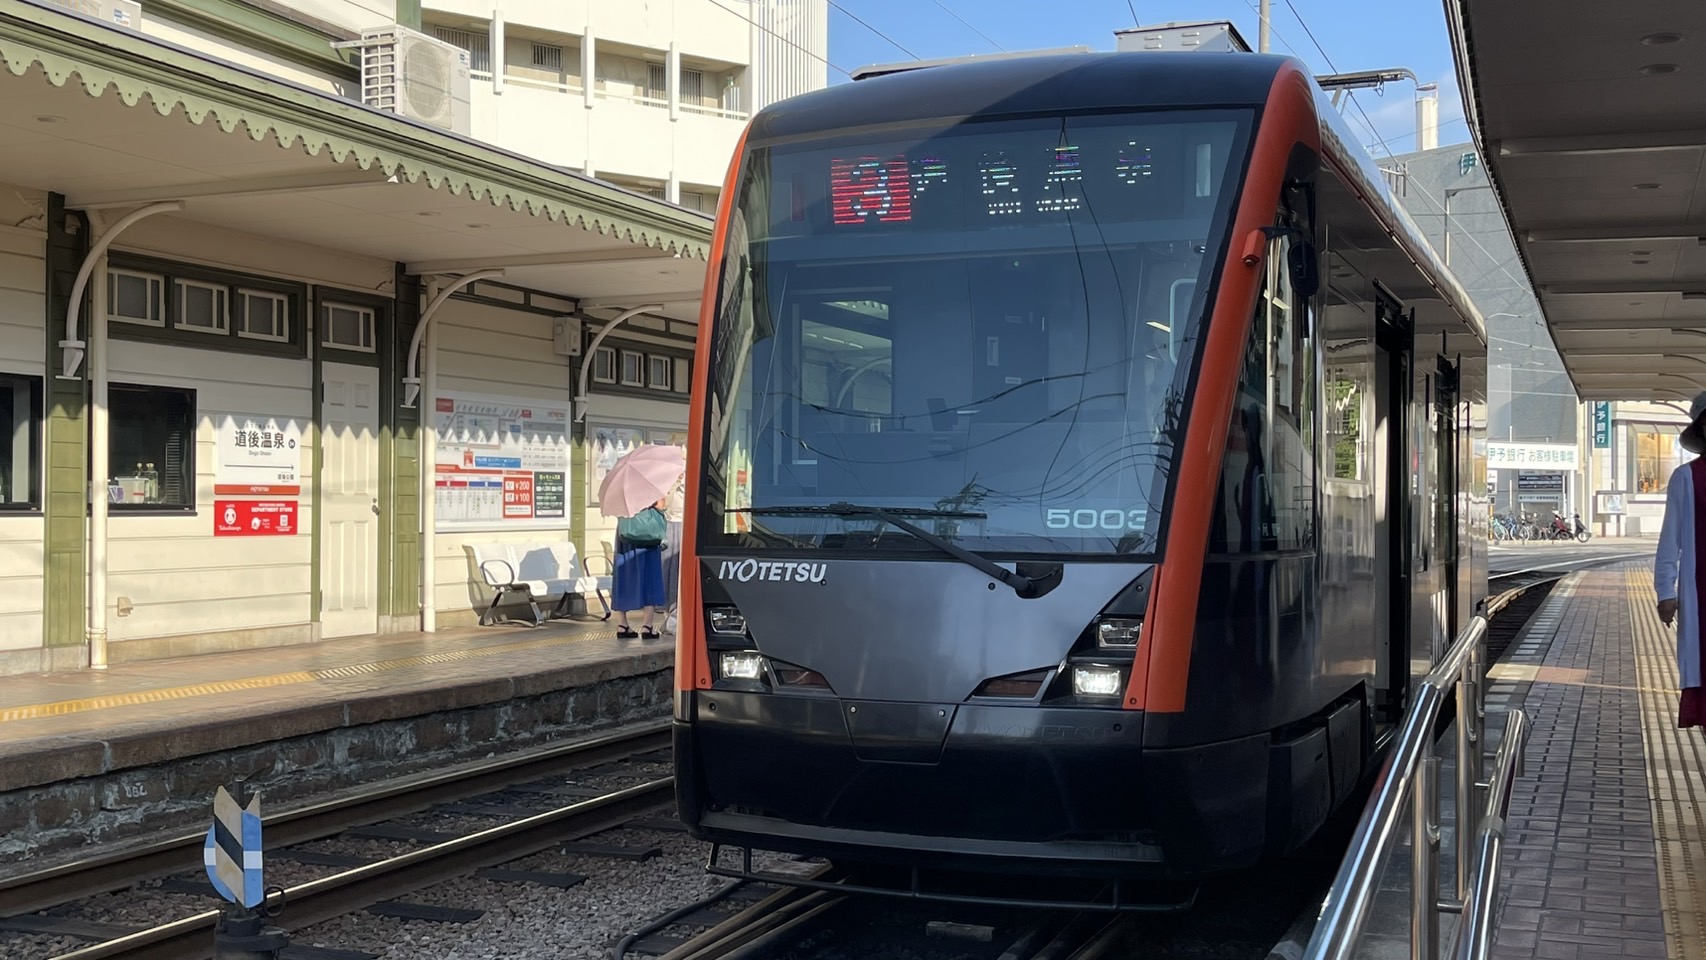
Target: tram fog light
1095	681
742	666
1118	633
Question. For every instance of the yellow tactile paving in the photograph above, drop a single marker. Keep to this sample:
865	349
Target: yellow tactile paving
1676	776
36	711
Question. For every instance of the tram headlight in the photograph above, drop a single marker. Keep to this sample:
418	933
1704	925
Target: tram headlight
1095	680
1118	631
726	621
741	665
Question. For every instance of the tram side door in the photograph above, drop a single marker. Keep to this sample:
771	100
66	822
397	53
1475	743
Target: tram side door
1394	341
1447	484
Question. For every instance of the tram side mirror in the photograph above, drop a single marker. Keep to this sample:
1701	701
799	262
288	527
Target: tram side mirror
1305	269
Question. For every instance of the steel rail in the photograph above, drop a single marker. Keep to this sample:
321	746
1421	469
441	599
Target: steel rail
39	890
319	900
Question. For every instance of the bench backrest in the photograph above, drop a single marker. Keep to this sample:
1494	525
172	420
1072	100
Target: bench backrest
527	561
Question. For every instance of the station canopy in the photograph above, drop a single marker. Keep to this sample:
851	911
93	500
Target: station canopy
1592	123
114	120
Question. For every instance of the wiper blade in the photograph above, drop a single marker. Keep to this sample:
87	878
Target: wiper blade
850	510
1022	585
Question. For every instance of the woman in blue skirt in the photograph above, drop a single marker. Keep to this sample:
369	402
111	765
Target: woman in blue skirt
639	570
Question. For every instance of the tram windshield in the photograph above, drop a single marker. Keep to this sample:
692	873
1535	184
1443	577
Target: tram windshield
988	326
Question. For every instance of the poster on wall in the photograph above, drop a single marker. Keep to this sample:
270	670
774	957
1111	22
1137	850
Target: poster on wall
501	462
254	518
258	456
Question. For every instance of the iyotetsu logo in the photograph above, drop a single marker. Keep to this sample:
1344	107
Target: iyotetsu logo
777	571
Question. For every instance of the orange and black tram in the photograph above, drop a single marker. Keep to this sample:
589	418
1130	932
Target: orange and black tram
1086	464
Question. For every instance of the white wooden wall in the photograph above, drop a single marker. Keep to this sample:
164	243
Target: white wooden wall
23	306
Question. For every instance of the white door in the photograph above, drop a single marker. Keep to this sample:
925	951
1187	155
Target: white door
349	501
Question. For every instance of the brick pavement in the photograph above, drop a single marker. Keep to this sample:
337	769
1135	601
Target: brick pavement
1581	870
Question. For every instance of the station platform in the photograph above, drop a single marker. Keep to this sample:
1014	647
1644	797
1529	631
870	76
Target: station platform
98	755
1606	836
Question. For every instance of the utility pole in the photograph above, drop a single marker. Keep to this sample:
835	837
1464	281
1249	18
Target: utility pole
1262	28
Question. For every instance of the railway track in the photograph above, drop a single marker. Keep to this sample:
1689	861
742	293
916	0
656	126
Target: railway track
817	924
37	900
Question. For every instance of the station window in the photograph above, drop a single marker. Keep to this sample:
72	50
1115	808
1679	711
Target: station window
200	306
134	297
20	455
152	448
348	327
633	368
658	374
262	315
604	365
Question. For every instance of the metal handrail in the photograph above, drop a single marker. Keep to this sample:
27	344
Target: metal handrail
1476	934
1412	773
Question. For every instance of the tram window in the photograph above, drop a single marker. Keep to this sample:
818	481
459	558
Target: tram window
1267	486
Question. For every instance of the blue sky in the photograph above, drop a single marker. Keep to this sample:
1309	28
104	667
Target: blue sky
1355	36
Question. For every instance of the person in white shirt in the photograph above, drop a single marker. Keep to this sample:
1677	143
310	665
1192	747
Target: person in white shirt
1679	577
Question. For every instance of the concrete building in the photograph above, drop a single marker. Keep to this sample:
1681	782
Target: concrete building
671	83
1535	459
1632	450
232	285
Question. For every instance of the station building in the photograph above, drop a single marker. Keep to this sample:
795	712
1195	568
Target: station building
215	261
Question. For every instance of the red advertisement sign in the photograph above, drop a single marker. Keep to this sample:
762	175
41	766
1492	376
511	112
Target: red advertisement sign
518	495
254	518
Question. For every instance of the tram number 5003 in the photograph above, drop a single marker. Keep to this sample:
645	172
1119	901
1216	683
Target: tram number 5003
1095	519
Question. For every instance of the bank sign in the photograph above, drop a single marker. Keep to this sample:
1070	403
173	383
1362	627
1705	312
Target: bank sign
1601	425
1549	456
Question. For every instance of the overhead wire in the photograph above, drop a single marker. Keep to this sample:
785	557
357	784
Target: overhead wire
1134	21
815	56
892	41
973	29
1369	122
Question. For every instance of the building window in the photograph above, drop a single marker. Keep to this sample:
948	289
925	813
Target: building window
1654	447
263	316
135	297
657	82
348	327
658	373
604	365
199	306
478	46
548	57
20	454
633	369
152	447
683	374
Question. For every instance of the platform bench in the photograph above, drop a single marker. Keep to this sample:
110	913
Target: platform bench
536	571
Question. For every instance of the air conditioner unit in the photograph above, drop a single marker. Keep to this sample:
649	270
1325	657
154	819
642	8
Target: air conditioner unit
416	76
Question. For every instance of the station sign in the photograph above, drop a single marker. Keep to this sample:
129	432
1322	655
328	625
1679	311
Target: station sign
259	456
1552	456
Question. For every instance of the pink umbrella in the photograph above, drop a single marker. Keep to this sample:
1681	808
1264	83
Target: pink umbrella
640	479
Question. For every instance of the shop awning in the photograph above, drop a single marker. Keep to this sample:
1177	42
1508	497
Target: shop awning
113	119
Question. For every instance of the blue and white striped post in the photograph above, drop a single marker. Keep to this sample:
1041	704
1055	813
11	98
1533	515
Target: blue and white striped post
232	855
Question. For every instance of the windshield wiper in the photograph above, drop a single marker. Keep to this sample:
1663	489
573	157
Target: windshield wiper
1022	585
